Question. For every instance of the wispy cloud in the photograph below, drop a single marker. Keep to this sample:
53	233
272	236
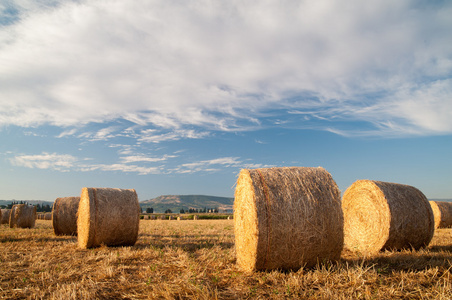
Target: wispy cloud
59	162
227	66
144	158
140	164
216	164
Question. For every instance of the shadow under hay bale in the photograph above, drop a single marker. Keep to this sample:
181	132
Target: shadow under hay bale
382	215
22	216
5	216
442	212
108	216
64	215
286	218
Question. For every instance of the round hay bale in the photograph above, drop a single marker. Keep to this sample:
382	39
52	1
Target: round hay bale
178	218
286	218
64	215
5	216
442	213
22	216
108	216
195	217
48	216
383	215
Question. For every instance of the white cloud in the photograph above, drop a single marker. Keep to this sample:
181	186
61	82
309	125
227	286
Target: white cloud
217	65
144	158
216	164
150	136
126	168
59	162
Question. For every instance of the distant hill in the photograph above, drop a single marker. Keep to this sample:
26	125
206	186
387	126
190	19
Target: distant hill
178	202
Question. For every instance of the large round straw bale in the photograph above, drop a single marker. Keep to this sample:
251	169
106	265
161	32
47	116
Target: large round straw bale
5	215
22	216
64	215
286	218
108	216
442	212
383	215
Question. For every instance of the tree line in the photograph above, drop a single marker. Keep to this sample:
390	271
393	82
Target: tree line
39	207
150	210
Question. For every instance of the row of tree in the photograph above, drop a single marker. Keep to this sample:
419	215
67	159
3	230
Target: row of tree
39	207
150	210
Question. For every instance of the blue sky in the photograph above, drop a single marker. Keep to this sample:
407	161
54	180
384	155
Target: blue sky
175	97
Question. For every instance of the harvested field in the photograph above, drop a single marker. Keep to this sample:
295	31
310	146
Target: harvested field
196	260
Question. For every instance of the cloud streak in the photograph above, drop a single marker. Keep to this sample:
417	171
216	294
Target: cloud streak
138	163
185	69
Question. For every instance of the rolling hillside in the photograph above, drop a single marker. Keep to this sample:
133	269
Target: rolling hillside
178	202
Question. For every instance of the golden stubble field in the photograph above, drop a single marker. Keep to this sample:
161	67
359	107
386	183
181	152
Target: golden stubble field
196	260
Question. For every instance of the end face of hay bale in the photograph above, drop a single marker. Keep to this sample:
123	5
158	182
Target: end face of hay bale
5	215
286	218
22	216
442	212
108	216
64	215
382	215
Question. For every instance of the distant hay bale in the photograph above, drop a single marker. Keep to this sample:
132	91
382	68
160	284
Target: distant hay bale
442	213
382	215
195	217
108	216
5	216
22	216
178	218
48	216
64	215
286	218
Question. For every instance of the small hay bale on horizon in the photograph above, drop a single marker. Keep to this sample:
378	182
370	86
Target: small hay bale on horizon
442	213
5	215
108	216
48	216
22	216
286	218
64	215
385	216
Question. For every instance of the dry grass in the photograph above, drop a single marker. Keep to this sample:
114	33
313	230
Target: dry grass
196	260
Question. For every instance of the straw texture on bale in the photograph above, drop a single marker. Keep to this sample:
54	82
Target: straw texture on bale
5	215
442	213
64	215
22	216
108	216
383	215
286	218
